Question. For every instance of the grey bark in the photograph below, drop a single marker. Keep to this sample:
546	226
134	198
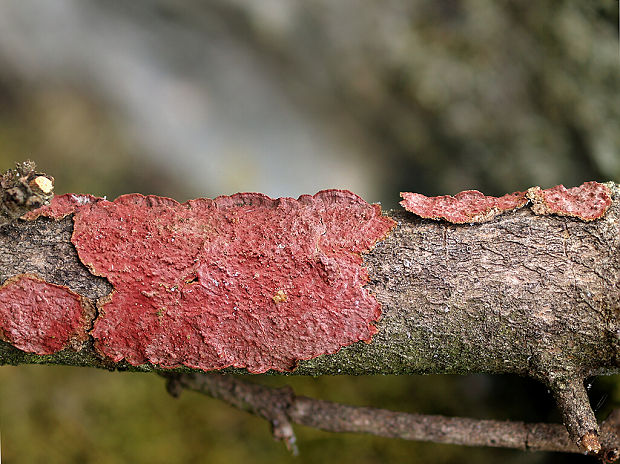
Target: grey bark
525	294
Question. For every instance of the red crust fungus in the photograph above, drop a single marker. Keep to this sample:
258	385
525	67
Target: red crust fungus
43	318
242	280
61	206
470	206
589	201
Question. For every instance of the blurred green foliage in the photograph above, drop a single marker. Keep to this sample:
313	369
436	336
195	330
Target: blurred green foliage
62	415
460	94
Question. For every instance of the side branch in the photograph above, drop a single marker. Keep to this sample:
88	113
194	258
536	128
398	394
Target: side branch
281	407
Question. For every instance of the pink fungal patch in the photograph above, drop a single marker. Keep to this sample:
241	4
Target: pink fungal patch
589	201
242	280
43	318
470	206
61	206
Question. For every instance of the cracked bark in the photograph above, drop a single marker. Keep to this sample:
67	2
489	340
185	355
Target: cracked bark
533	295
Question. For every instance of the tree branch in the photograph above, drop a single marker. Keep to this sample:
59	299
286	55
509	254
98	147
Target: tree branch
282	407
523	293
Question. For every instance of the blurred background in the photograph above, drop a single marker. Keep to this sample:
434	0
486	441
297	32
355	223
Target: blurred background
193	98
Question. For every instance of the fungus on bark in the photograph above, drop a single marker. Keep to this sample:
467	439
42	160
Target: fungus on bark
589	201
470	206
242	280
42	318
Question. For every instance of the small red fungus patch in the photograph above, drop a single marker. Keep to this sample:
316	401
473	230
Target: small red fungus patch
43	318
242	280
61	206
589	201
469	206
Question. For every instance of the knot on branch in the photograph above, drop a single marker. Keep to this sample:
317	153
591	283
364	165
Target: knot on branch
272	404
610	437
24	189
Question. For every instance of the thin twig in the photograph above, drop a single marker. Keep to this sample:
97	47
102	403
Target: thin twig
282	407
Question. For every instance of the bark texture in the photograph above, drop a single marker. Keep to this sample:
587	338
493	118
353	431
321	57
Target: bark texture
526	294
